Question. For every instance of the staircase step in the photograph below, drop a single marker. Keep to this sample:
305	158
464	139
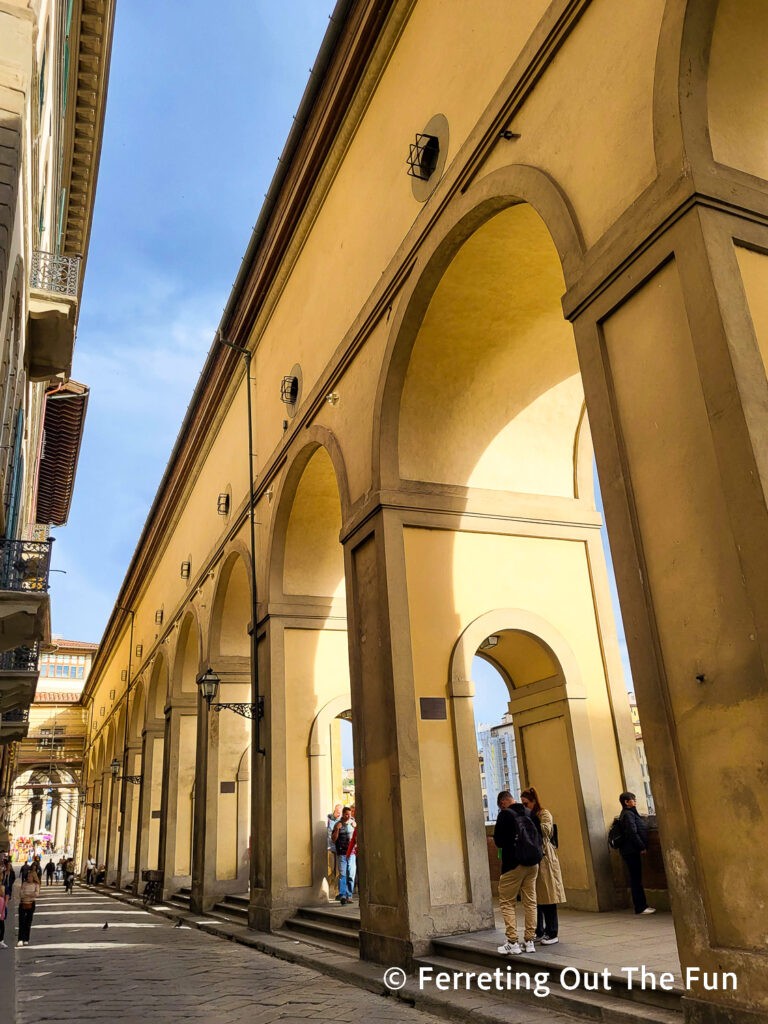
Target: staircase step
323	932
617	1006
234	910
180	899
338	918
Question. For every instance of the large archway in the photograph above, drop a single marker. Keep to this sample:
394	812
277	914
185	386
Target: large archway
485	435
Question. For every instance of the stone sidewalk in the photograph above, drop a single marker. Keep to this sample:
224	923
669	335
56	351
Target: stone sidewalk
76	971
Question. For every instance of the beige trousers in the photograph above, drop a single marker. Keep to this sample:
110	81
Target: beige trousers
520	880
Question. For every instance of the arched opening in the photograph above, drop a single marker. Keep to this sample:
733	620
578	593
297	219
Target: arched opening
308	580
180	755
228	809
491	425
153	748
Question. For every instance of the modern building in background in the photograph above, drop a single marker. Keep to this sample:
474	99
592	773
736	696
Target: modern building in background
498	762
54	62
641	753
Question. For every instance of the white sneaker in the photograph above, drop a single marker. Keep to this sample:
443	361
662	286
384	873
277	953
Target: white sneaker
648	910
3	945
549	942
529	946
509	948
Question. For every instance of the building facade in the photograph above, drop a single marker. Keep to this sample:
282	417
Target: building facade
645	774
54	61
499	763
486	255
48	761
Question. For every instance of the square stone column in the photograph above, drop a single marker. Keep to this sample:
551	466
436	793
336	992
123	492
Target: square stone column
673	355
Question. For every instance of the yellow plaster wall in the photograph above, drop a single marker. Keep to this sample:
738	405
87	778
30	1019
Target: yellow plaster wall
156	796
737	92
493	396
452	579
754	274
234	736
314	558
316	671
186	781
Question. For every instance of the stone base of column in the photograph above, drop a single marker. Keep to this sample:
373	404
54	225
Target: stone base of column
391	951
704	1011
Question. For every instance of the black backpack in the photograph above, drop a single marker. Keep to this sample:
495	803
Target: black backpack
616	833
528	849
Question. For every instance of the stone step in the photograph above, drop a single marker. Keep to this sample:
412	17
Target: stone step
232	908
320	934
462	954
181	898
607	1007
338	917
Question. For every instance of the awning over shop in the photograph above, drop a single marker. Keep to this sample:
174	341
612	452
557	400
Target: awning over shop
63	422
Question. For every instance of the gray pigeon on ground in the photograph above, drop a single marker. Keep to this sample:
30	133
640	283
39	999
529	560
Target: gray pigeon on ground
106	925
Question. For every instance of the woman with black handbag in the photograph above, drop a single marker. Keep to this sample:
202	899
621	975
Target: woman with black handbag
549	884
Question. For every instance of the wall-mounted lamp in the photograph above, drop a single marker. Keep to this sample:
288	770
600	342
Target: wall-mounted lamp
186	570
208	682
289	390
222	505
114	767
488	643
422	157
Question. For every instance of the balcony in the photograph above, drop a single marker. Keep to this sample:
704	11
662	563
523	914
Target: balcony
18	677
24	605
13	726
53	289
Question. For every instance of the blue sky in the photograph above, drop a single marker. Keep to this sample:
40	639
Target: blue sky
201	100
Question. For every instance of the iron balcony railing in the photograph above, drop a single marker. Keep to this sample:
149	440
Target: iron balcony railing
20	659
15	717
24	564
54	273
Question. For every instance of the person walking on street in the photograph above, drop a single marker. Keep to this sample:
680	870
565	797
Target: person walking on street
30	890
69	875
342	834
632	844
517	836
50	871
90	870
549	883
3	911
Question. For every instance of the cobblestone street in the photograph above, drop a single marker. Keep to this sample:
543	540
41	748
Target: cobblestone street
143	968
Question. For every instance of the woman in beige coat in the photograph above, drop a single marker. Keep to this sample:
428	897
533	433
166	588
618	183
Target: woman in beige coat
549	883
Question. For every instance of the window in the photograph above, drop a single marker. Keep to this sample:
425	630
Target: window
59	670
80	672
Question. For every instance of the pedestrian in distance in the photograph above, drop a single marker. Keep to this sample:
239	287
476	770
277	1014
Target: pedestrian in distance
30	890
342	834
3	911
549	882
50	871
629	835
518	837
90	870
69	875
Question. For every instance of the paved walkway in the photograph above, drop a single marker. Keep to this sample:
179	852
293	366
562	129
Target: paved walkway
141	967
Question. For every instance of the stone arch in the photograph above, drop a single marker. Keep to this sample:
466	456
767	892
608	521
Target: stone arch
157	694
508	187
187	660
319	438
138	711
321	796
230	615
547	701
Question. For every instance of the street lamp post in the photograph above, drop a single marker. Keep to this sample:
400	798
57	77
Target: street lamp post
208	683
257	701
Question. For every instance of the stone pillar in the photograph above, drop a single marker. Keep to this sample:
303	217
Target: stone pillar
105	791
113	828
37	808
179	766
204	845
394	898
128	802
148	815
673	355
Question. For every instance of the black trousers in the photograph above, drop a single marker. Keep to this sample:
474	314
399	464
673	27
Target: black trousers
634	862
546	920
89	876
2	930
25	922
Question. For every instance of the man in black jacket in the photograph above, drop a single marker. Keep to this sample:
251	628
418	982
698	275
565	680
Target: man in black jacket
633	844
515	877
